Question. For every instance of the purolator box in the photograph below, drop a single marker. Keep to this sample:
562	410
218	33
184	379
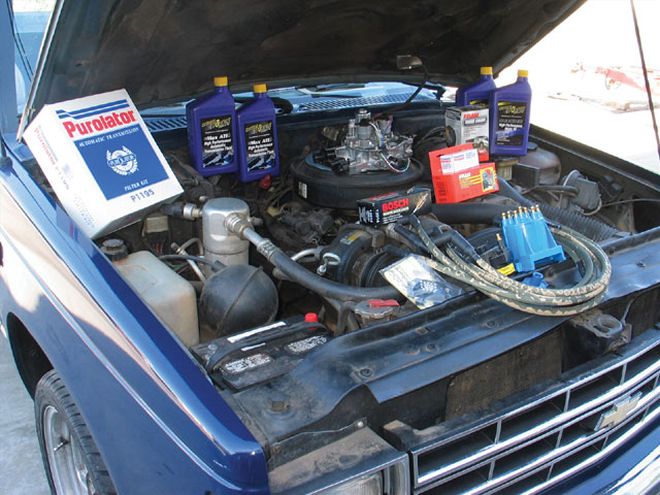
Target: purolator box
101	161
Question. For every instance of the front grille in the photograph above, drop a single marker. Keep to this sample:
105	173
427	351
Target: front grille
364	101
546	440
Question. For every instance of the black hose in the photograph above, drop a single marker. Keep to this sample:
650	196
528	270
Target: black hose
590	227
593	229
328	288
456	213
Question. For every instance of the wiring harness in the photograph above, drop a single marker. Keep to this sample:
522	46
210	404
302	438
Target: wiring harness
461	262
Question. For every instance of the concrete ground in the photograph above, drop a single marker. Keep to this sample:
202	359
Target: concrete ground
21	470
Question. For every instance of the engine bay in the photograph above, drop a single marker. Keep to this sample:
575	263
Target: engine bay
284	288
354	199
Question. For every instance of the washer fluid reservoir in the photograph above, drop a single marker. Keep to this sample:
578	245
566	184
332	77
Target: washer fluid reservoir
168	294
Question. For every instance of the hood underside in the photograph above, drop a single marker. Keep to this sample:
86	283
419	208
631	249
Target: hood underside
163	51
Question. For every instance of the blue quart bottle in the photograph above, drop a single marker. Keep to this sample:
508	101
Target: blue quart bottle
258	153
212	130
509	117
478	92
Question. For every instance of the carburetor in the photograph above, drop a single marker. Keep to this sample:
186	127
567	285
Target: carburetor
368	145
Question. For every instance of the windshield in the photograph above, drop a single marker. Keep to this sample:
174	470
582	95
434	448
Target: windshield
588	82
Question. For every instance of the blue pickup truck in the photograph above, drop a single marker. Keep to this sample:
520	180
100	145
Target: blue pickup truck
261	337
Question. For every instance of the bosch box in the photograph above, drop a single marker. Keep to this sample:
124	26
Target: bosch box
388	208
101	161
457	174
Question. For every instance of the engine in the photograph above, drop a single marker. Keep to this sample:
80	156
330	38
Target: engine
350	232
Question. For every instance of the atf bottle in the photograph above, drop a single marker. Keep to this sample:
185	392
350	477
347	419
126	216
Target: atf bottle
509	117
212	130
258	153
477	93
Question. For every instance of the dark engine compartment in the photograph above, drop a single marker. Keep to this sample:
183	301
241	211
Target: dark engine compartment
303	369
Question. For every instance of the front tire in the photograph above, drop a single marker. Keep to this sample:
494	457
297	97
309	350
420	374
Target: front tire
73	463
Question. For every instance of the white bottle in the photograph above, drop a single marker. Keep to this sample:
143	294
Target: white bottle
168	294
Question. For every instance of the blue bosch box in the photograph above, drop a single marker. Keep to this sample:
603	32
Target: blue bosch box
101	161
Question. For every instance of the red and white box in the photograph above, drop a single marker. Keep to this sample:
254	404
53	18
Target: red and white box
458	176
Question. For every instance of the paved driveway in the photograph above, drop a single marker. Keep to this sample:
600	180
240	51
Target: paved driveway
21	470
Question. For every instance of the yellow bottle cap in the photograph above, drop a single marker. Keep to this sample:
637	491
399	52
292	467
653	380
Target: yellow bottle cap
522	73
220	81
486	71
259	88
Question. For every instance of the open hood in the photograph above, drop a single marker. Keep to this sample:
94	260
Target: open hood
163	51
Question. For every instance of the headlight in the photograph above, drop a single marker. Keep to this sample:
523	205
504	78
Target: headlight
371	484
393	480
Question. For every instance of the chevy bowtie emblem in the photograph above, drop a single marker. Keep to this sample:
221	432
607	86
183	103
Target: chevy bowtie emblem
618	412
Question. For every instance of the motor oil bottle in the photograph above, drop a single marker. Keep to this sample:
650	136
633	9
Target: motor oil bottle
477	93
509	117
212	130
257	137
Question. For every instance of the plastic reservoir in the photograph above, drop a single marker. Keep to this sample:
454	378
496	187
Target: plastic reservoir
168	294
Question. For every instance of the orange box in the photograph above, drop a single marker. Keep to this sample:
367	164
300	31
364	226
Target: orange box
457	174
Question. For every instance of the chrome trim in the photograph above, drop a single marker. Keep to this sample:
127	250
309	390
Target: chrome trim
562	419
600	455
557	454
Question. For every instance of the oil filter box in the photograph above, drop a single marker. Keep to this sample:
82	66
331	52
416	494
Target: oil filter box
388	208
101	161
468	124
457	174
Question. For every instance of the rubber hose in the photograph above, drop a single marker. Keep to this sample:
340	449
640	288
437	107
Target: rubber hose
325	287
469	212
593	229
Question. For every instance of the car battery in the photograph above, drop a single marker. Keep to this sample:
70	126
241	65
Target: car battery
388	208
457	174
101	160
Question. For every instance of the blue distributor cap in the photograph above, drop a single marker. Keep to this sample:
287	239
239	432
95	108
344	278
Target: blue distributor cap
529	239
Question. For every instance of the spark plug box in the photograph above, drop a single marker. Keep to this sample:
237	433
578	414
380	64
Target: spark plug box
101	161
388	208
457	174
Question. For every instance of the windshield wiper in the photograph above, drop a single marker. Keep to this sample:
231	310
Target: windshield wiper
330	90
